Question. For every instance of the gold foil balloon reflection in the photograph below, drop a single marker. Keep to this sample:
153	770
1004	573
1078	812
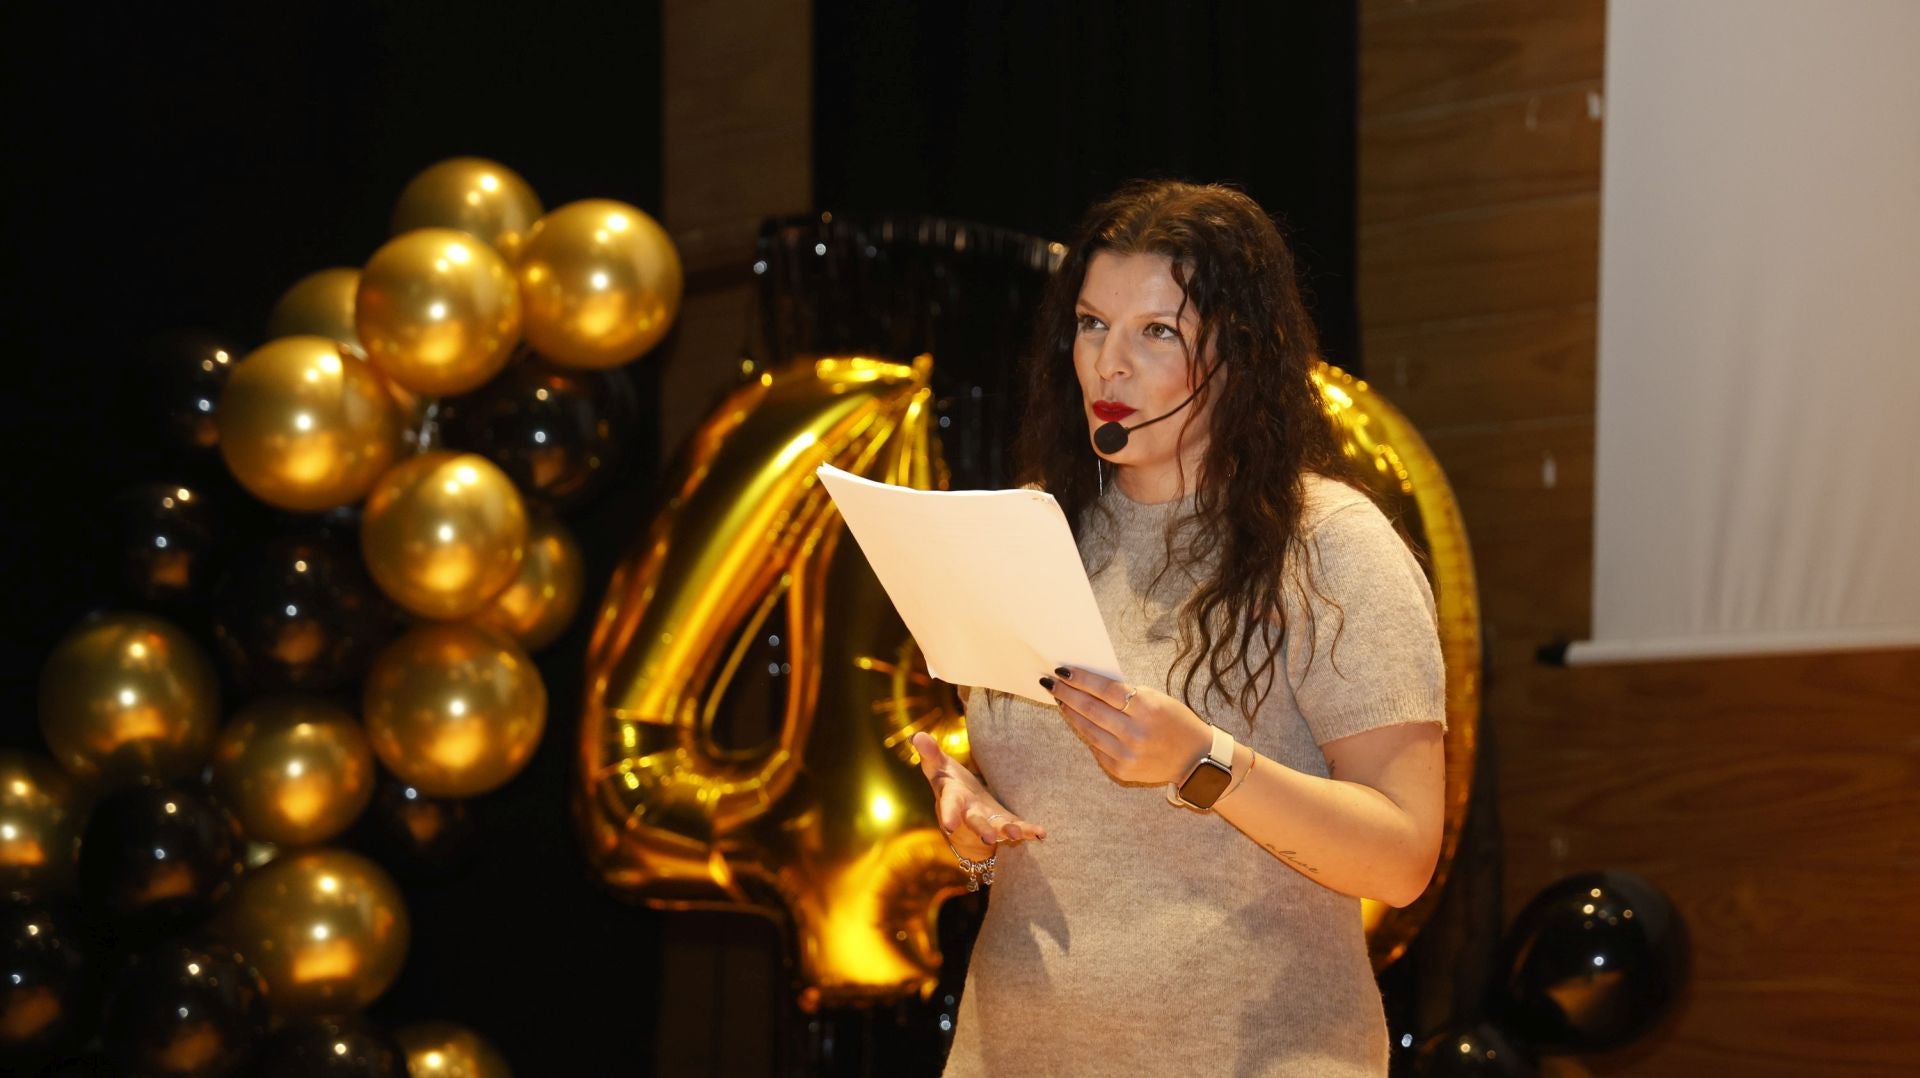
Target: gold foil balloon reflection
437	311
305	425
852	853
1403	473
128	696
542	600
319	305
443	533
449	1050
42	812
474	195
454	709
295	770
327	929
602	284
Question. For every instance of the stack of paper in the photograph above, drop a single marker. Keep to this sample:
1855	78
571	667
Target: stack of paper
988	581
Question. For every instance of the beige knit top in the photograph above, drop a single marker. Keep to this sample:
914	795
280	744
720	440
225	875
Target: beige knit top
1145	939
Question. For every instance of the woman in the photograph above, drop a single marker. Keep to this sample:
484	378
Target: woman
1177	857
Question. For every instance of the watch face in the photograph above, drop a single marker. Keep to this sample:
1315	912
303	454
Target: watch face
1205	785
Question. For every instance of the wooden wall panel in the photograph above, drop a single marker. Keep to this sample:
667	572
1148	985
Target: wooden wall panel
1495	261
738	98
1816	805
1441	54
1507	149
703	358
1775	800
1502	368
1768	1028
1526	492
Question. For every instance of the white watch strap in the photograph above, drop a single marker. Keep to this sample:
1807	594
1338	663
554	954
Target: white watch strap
1222	752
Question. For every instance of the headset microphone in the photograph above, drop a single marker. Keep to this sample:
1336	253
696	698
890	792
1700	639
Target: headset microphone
1111	438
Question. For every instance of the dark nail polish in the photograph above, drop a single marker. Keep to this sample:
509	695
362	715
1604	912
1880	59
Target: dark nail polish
1063	672
1046	683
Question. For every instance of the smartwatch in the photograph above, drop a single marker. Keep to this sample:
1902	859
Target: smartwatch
1209	778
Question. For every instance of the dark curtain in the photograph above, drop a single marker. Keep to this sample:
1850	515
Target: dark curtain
1021	114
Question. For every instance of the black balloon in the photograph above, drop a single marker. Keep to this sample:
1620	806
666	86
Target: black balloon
897	285
183	375
161	539
48	992
1591	963
187	1008
345	1047
156	858
1472	1052
300	613
558	433
413	835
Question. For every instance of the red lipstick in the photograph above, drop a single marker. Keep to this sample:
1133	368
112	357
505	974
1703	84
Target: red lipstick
1111	411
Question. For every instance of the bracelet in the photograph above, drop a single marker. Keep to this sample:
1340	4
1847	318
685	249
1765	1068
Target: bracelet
978	872
1253	757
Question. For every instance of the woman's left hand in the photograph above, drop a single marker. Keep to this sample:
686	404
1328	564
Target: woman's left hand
1138	734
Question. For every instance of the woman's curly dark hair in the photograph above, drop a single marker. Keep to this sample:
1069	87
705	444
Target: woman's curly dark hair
1268	427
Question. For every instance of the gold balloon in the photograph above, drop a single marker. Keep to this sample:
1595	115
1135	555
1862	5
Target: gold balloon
305	425
473	195
443	533
1402	471
327	929
453	709
602	283
449	1050
295	770
438	311
42	813
541	602
126	697
319	305
853	854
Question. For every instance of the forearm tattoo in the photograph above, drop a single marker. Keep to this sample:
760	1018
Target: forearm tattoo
1290	858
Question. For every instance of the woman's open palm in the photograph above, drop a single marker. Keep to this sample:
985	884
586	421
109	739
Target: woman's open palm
974	820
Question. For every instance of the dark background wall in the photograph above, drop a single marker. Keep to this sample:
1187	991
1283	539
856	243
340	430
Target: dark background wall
1021	115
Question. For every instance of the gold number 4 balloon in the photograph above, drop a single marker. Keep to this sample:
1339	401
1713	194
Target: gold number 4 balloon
830	822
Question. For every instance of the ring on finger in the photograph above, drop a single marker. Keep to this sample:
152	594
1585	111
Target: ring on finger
1128	701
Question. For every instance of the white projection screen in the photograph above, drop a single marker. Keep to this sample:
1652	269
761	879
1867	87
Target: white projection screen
1755	487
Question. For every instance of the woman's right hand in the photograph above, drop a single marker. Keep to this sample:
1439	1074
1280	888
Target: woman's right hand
973	819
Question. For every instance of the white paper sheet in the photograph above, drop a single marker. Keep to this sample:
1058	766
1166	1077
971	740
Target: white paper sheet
989	582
